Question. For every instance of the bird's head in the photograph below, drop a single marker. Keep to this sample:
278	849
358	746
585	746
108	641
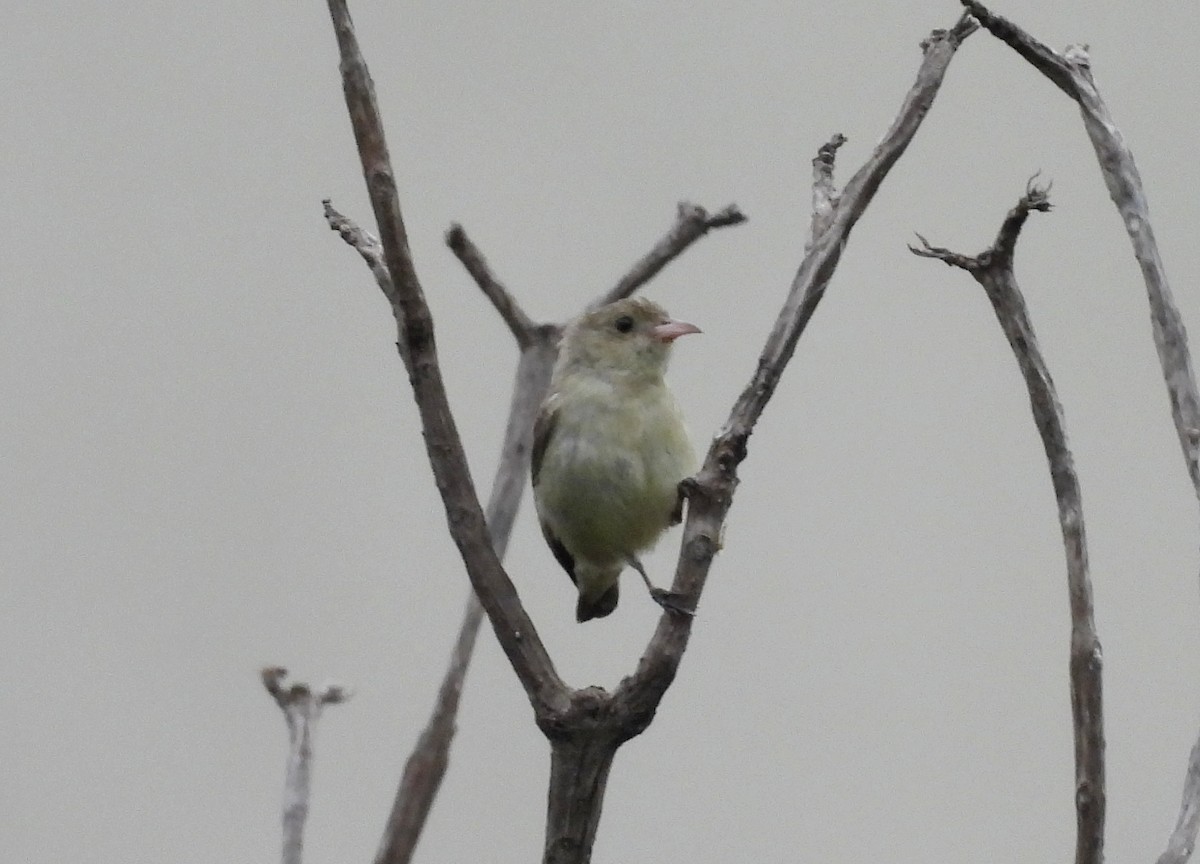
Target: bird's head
628	337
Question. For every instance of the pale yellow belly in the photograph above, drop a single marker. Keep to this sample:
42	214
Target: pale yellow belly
606	503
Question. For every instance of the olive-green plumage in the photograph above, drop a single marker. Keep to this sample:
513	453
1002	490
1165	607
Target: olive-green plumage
610	447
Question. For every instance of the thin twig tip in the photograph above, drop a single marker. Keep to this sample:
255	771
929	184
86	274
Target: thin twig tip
731	215
272	679
334	694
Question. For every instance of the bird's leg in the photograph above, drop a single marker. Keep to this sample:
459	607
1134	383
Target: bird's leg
669	600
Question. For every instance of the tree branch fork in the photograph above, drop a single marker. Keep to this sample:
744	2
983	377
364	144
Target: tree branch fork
993	269
586	721
586	726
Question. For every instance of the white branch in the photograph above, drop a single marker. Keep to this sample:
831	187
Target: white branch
301	708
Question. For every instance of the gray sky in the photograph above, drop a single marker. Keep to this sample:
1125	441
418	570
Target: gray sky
210	460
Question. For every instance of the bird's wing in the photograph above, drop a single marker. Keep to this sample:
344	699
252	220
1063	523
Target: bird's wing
561	555
543	431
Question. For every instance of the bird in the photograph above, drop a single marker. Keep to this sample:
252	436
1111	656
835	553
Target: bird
610	450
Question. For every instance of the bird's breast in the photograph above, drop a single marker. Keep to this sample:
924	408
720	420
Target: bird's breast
610	475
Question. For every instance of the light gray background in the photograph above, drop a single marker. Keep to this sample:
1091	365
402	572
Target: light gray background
210	460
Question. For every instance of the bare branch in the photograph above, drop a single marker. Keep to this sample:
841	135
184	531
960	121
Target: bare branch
1005	246
429	760
1041	56
1071	72
1183	838
1000	254
824	193
941	254
364	243
586	726
711	492
514	630
301	710
691	223
468	253
579	766
426	765
993	269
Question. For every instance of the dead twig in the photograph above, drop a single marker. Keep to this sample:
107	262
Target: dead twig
301	708
1071	72
993	269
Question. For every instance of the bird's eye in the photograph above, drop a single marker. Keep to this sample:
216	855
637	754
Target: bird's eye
624	324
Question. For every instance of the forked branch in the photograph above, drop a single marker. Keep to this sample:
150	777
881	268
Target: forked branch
591	717
1071	72
515	632
301	707
691	223
993	269
428	762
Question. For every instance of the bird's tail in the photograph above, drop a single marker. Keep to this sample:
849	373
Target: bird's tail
588	608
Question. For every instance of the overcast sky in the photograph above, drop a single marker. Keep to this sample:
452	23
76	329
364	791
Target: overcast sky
210	461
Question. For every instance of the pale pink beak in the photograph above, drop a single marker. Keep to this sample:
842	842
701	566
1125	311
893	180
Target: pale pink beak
670	330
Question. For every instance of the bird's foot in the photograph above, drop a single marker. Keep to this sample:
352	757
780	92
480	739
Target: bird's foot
672	601
685	488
